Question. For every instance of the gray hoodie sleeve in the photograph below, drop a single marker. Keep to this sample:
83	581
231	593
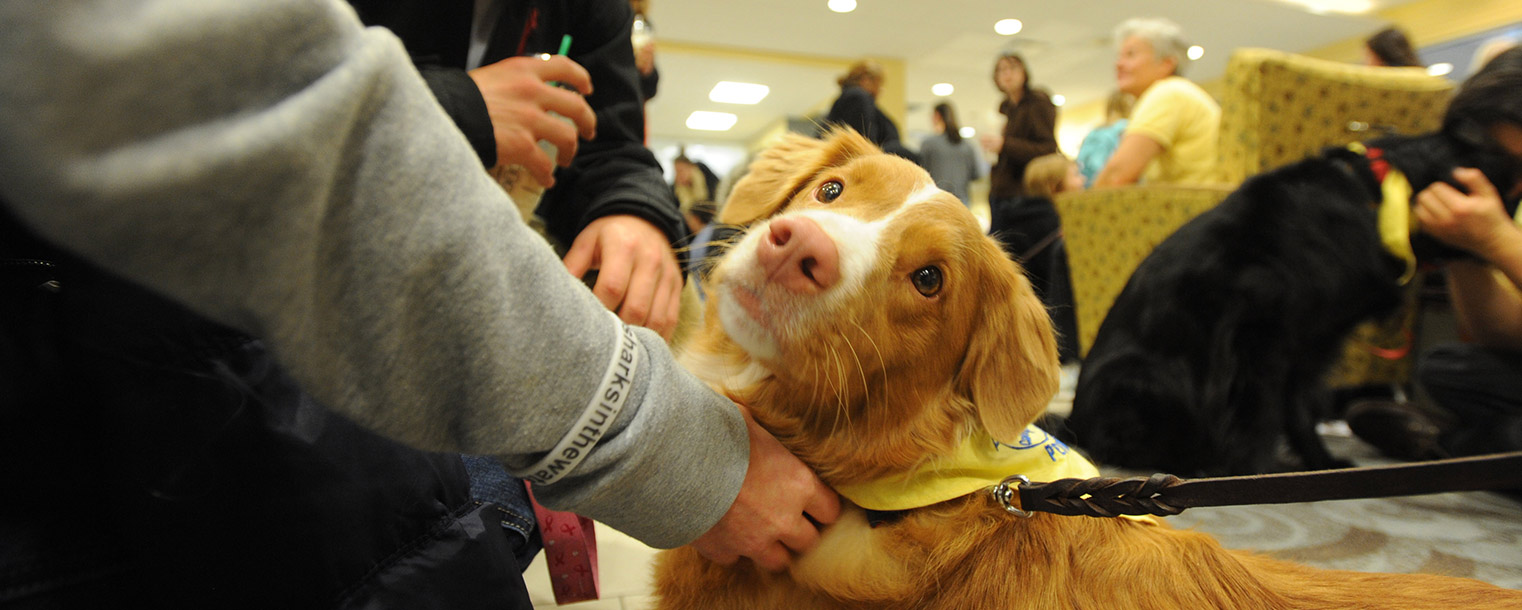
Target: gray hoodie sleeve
278	168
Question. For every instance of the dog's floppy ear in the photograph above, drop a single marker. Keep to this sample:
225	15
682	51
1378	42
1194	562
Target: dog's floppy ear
780	171
1011	370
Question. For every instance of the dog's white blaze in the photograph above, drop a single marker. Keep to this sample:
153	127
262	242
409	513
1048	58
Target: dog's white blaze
922	195
858	243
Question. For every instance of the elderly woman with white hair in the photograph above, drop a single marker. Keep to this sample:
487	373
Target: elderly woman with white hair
1171	138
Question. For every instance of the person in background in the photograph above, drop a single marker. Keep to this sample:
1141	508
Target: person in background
700	221
1476	385
1489	49
949	158
1100	143
1031	233
856	107
693	183
1052	174
607	207
643	38
1172	133
268	293
1390	47
1030	128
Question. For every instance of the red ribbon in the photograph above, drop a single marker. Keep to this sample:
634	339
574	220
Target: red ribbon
570	548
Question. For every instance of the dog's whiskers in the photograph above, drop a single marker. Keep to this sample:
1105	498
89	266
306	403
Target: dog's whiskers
838	382
881	363
860	372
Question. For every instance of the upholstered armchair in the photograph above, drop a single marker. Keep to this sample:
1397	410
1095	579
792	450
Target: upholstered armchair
1276	108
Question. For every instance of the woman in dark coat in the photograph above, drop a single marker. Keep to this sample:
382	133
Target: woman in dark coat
857	108
1030	128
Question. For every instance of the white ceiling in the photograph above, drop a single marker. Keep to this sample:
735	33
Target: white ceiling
1066	44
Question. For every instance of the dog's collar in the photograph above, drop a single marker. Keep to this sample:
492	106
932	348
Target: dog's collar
978	463
1395	221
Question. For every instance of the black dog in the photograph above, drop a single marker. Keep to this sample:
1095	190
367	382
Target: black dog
1217	347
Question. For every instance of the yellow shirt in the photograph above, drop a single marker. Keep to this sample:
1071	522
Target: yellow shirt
1183	119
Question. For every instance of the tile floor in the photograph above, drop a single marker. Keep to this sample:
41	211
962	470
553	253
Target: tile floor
624	573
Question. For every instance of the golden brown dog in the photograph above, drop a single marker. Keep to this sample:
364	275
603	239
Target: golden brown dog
871	326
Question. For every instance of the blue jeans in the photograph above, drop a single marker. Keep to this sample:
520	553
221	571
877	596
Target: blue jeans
491	483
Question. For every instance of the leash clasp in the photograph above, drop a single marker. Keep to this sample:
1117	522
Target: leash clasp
1004	492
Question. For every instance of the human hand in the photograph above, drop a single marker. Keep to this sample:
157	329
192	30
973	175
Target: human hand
772	513
519	98
992	143
637	275
1475	221
644	58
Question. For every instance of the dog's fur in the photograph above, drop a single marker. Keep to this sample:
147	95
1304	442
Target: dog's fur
1217	348
864	376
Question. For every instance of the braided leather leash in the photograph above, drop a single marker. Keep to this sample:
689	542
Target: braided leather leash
1164	494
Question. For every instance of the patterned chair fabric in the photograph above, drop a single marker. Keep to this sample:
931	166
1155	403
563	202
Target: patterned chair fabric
1109	231
1276	108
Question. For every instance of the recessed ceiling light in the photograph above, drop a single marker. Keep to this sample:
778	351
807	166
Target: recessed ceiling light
1440	69
703	120
967	132
942	89
1059	99
730	92
1008	27
842	6
1322	7
1196	52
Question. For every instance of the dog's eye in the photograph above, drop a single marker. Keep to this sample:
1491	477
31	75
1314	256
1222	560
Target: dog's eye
927	280
829	191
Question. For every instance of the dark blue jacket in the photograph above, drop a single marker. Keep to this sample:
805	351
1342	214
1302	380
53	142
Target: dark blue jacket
611	174
149	457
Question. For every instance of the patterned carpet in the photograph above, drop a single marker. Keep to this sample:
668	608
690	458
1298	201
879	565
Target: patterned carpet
1476	535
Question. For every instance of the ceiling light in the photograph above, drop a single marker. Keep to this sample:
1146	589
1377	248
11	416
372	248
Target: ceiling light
729	92
942	89
1196	52
1440	69
703	120
1059	99
1008	27
1322	7
967	132
842	6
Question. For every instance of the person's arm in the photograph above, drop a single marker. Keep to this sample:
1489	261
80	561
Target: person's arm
649	74
1130	160
277	168
612	207
613	173
1489	307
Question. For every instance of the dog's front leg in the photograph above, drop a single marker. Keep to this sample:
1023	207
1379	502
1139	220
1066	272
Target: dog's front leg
1303	412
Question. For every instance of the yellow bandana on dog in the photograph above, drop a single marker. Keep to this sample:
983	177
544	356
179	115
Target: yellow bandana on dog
980	462
1395	220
